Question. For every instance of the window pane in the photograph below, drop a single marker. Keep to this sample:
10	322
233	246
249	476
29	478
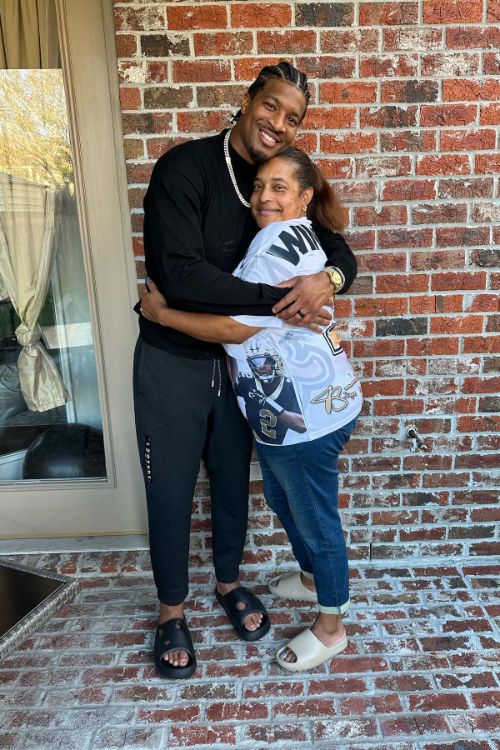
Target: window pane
50	417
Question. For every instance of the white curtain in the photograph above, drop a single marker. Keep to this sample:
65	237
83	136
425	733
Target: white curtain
26	229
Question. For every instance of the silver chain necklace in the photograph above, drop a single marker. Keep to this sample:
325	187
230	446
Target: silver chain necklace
231	170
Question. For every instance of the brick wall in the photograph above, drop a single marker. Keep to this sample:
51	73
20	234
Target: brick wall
405	120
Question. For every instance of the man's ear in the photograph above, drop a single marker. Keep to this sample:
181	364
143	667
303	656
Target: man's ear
245	103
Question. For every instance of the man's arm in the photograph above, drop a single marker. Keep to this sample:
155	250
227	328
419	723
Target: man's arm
175	252
292	306
339	255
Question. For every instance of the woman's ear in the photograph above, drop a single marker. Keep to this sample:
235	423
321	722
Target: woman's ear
307	195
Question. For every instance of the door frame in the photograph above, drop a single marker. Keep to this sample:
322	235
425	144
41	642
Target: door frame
114	505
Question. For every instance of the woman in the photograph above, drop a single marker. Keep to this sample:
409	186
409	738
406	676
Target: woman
298	393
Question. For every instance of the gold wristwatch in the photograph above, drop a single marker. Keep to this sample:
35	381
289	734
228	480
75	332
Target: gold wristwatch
336	278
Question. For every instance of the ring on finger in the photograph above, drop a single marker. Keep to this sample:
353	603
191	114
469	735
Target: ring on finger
301	314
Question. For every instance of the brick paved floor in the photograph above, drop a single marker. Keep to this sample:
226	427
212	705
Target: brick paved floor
419	673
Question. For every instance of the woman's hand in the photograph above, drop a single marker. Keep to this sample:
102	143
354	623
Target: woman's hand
153	304
303	305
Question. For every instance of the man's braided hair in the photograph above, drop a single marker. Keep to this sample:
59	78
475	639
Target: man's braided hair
284	72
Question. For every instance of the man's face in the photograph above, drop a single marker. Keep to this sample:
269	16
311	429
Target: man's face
268	122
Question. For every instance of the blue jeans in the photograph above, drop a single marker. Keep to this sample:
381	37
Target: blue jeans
301	486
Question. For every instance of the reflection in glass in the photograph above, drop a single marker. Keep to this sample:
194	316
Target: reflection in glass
50	419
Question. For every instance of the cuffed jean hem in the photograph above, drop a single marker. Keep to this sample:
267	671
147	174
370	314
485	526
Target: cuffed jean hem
335	610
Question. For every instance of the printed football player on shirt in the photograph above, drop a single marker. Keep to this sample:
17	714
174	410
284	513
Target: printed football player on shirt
271	403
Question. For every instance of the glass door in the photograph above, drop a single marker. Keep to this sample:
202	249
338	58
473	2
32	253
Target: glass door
50	415
68	461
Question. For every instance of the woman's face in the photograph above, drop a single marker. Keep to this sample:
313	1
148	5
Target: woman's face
276	193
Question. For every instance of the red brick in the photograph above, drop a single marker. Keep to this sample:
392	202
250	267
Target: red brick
346	729
433	346
285	41
466	37
392	284
350	143
248	68
487	163
408	140
463	90
398	406
471	140
197	17
452	281
443	164
353	40
223	43
447	114
236	711
409	91
126	45
380	348
491	63
459	236
201	71
490	114
185	736
337	685
379	307
331	118
255	15
389	116
441	213
446	64
348	92
327	66
419	38
130	98
382	66
466	324
325	14
202	122
383	166
438	259
493	11
453	11
336	168
368	216
388	13
408	190
139	19
473	188
167	715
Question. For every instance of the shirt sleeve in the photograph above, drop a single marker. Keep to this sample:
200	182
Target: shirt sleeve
339	254
173	236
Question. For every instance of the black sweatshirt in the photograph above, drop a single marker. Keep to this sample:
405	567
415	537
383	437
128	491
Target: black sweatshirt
196	231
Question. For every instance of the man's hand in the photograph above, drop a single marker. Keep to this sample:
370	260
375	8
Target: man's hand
303	305
153	303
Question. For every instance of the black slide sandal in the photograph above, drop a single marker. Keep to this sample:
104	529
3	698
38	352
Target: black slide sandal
174	635
252	604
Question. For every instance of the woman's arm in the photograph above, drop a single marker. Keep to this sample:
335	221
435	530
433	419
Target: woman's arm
218	329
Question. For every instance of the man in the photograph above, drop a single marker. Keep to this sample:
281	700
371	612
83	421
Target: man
196	230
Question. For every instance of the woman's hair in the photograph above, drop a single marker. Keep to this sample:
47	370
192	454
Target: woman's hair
324	208
285	72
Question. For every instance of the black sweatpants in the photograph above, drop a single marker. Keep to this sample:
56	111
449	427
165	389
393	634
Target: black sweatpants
185	410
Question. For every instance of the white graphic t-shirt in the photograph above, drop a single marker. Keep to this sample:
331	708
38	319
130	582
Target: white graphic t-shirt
292	384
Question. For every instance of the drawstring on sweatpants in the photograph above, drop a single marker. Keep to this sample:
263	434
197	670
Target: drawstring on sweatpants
216	366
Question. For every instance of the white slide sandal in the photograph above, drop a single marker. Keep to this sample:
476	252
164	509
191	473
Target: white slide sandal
310	652
289	586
